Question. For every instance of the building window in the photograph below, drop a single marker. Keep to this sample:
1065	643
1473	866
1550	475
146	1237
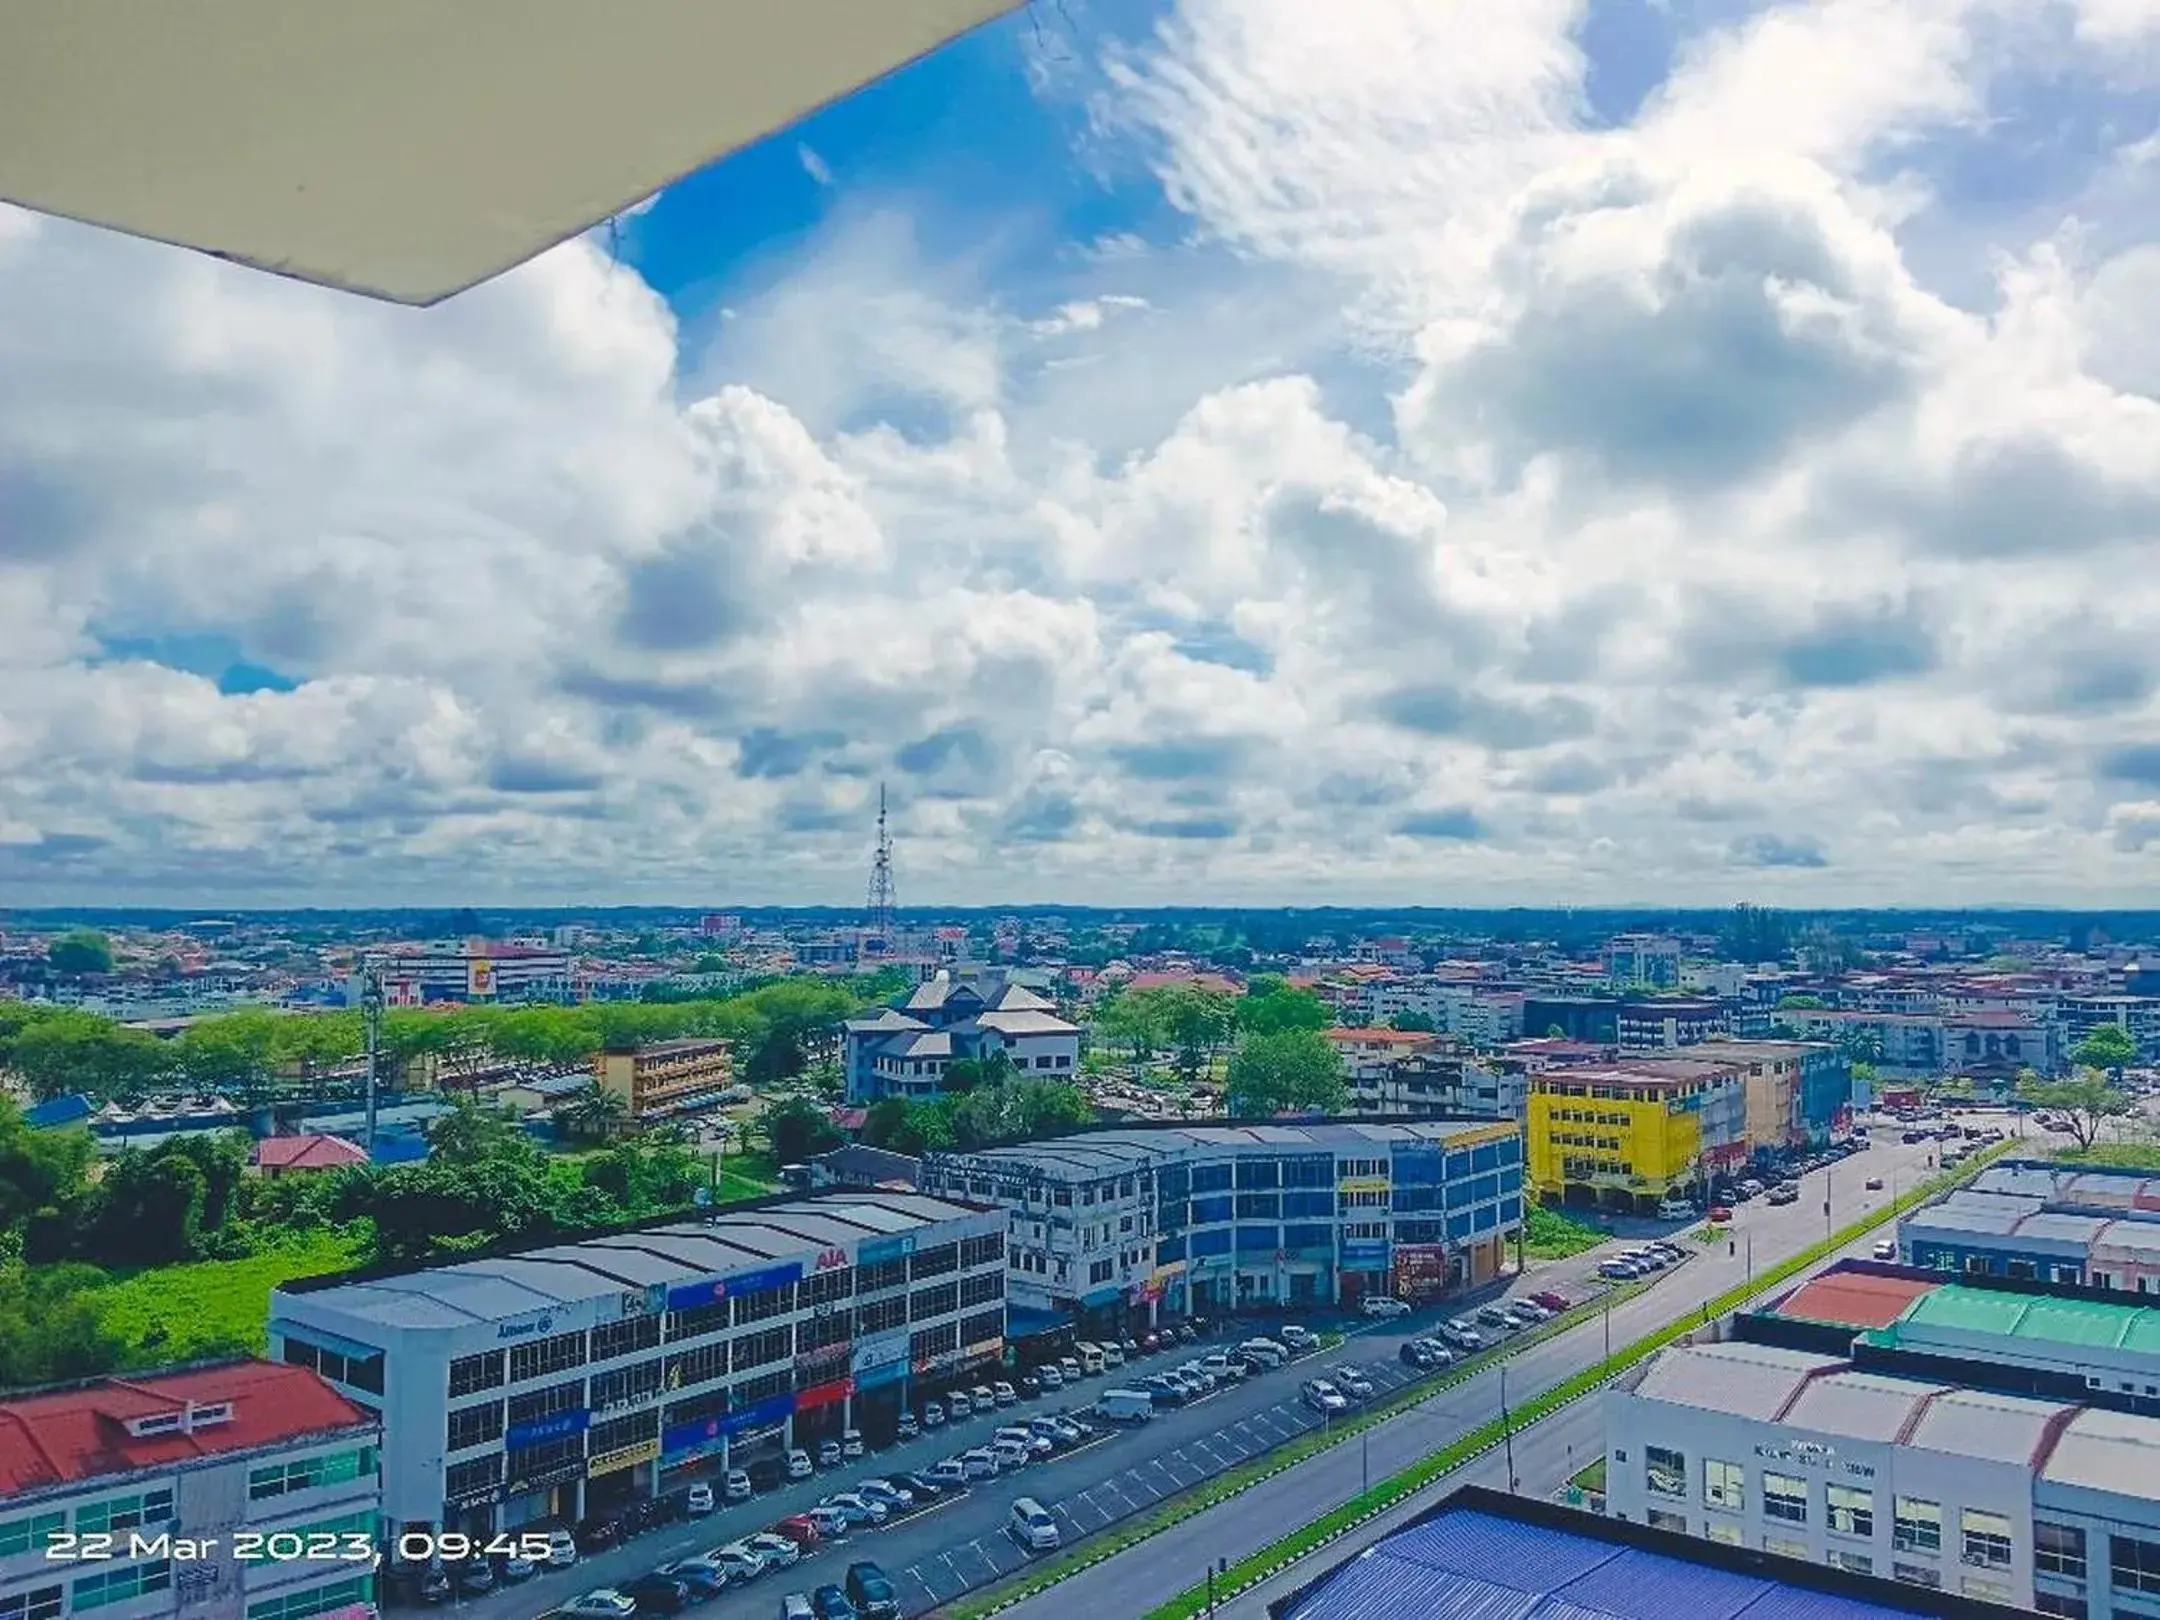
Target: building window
308	1473
1675	1522
319	1600
686	1370
1926	1575
753	1391
1986	1588
474	1425
20	1535
765	1304
39	1603
473	1475
617	1433
364	1371
125	1513
1665	1471
1784	1497
884	1274
981	1251
2059	1549
1725	1534
627	1383
819	1331
1851	1511
2072	1608
1724	1485
935	1262
698	1321
536	1462
940	1300
982	1327
891	1312
1987	1539
625	1338
1917	1525
981	1289
119	1585
828	1287
471	1374
544	1356
536	1404
2134	1565
1784	1547
756	1349
1851	1562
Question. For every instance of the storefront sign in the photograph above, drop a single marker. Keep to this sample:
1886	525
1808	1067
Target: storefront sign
524	1436
937	1363
1363	1184
614	1462
633	1302
472	1499
1366	1254
880	1351
526	1327
692	1295
891	1372
685	1441
547	1481
876	1251
832	1260
809	1400
982	1349
773	1409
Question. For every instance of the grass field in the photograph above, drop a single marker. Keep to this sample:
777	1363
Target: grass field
1550	1234
179	1313
747	1175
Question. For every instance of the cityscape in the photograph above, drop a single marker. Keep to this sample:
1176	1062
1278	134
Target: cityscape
1128	809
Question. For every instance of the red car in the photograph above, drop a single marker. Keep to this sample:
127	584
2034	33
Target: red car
1720	1214
1550	1300
798	1529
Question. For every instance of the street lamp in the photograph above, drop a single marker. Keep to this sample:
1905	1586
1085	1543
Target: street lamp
1507	1429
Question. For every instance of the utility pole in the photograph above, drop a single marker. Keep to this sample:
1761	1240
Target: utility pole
1507	1428
371	1015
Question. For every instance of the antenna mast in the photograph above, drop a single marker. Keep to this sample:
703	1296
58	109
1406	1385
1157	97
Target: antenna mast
371	1013
878	921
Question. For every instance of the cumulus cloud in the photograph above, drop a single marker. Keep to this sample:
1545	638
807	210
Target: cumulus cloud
1460	498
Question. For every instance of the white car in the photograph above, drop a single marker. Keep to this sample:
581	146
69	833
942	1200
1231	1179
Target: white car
799	1465
776	1550
739	1561
897	1497
979	1463
1380	1305
1297	1338
1324	1398
700	1499
1021	1435
736	1486
606	1602
1012	1453
951	1474
860	1509
562	1549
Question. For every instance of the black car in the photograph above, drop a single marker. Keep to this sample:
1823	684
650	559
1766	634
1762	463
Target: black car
598	1533
922	1485
474	1575
1416	1355
830	1603
1030	1385
871	1593
657	1594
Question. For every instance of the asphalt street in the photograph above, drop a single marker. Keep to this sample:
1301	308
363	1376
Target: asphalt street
1136	1580
960	1544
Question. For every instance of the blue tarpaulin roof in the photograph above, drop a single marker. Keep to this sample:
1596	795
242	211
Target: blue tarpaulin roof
1468	1565
69	1110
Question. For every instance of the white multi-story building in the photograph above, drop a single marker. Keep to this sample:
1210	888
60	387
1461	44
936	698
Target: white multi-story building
2040	1503
904	1051
1111	1227
542	1383
183	1492
1651	959
470	970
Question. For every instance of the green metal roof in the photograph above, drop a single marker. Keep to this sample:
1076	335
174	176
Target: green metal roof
2032	1317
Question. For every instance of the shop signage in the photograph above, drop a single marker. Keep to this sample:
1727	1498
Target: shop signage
526	1326
881	1350
876	1251
982	1349
634	1302
1366	1254
937	1363
1363	1184
520	1486
773	1409
524	1436
879	1377
614	1462
690	1296
809	1400
684	1441
832	1260
472	1499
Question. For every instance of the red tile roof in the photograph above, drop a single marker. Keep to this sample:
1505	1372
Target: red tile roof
309	1152
1855	1299
77	1434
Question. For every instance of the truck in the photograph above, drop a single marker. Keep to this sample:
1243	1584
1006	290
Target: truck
1126	1405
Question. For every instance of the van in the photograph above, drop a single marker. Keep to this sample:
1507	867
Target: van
1091	1358
1126	1405
1032	1526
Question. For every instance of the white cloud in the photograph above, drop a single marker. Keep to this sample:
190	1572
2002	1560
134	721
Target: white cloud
1651	527
813	165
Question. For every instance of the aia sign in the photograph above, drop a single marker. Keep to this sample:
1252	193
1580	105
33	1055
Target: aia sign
832	1260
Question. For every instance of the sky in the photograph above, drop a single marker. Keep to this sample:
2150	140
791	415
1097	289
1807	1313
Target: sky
1223	451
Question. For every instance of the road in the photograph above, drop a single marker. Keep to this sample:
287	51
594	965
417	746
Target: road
1145	1575
960	1545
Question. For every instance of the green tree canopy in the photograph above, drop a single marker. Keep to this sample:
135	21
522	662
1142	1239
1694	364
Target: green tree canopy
67	1050
1415	1023
1291	1070
1271	1007
795	1129
2108	1047
2084	1104
79	952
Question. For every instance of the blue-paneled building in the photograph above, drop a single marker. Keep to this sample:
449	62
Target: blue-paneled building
1119	1228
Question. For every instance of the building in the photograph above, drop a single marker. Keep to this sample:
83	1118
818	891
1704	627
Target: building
1438	1085
1368	1053
473	970
1625	1136
1667	1022
2137	1016
1643	959
544	1383
904	1050
1482	1554
1116	1228
2030	1219
1591	1019
665	1077
278	1156
1799	1093
1937	1482
231	1453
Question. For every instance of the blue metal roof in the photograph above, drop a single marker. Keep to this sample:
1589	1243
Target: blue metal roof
1469	1565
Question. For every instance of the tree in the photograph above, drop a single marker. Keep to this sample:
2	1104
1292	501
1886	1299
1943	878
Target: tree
1801	1003
1128	1019
963	1075
1271	1007
2108	1047
469	1135
2084	1104
79	952
1292	1070
795	1129
150	1209
68	1051
50	1329
1755	934
1414	1023
235	1052
592	1114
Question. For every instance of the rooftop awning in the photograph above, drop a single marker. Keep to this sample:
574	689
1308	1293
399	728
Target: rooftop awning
408	149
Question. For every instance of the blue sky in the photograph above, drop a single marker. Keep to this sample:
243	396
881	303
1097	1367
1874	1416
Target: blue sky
1600	451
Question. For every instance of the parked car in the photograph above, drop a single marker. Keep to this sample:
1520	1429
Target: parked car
1492	1316
851	1443
561	1549
960	1404
952	1474
606	1603
1618	1270
1463	1335
1003	1393
1012	1453
657	1594
909	1426
702	1581
1439	1353
984	1397
831	1603
778	1551
597	1533
699	1500
1032	1526
1720	1214
1788	1194
832	1524
1675	1209
475	1575
857	1508
979	1463
735	1485
933	1415
799	1465
1298	1339
1885	1248
1352	1382
919	1484
1225	1369
1416	1355
898	1498
433	1585
871	1593
1381	1305
1050	1376
828	1454
514	1567
800	1530
1323	1397
1551	1301
796	1606
1071	1368
1268	1351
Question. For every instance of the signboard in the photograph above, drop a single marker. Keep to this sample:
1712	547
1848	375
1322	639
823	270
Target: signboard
982	1349
832	1260
472	1499
522	1436
820	1395
1366	1254
1363	1184
690	1296
614	1462
479	976
526	1327
1421	1270
683	1441
520	1485
937	1363
881	1351
632	1302
891	1372
773	1409
876	1251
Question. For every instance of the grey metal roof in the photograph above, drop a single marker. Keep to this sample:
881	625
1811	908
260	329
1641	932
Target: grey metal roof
1984	1425
1861	1406
503	1287
1745	1380
2136	1237
2107	1451
1966	1216
2059	1226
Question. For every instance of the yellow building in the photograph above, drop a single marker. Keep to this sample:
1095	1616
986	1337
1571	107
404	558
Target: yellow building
1606	1136
660	1075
